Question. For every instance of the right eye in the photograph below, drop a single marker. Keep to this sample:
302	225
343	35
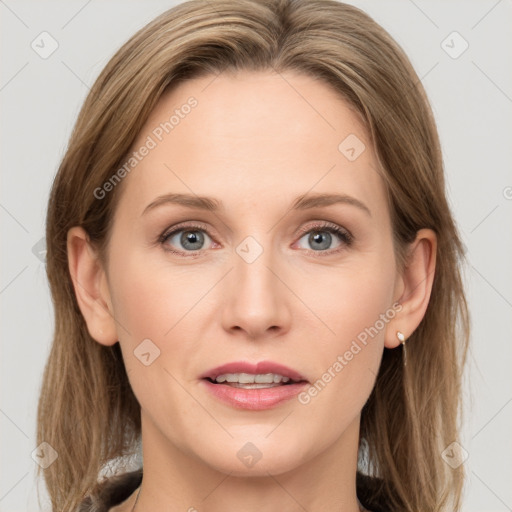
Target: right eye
191	238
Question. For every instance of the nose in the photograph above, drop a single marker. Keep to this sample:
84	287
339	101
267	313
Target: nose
257	303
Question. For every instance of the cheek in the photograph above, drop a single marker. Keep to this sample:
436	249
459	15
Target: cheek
365	297
150	297
355	305
346	300
154	310
152	305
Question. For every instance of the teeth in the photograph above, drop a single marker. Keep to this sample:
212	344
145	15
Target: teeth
248	378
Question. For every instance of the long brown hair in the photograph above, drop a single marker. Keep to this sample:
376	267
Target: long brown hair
87	411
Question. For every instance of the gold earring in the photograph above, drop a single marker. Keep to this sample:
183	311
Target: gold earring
401	338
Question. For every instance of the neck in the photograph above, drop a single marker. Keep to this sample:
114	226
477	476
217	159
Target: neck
177	481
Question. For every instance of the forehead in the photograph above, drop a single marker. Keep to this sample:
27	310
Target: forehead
237	136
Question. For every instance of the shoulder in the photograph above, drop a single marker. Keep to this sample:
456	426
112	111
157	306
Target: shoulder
112	492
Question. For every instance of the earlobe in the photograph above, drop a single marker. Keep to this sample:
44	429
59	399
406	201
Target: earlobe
415	287
91	287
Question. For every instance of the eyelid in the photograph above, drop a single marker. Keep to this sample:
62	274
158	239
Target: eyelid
188	224
324	224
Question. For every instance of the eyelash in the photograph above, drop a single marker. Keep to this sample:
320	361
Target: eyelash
344	235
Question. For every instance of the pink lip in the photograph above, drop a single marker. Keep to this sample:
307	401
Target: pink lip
246	367
254	399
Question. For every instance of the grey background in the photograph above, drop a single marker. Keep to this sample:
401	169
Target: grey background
472	100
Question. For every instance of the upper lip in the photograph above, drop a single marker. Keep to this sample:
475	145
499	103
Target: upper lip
261	367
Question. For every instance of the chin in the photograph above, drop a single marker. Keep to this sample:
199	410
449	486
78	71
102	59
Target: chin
256	455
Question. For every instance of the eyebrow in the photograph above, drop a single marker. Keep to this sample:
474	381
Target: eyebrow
303	202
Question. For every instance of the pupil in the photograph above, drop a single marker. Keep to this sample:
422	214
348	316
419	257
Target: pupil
190	238
321	239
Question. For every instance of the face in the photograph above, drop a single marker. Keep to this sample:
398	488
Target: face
269	271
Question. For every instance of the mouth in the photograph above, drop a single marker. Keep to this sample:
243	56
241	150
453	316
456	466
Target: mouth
253	375
253	386
253	381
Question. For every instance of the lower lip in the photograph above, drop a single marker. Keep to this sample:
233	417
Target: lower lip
254	399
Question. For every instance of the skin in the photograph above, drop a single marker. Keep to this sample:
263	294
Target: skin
255	141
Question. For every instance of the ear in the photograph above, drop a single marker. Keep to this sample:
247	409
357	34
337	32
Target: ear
91	287
413	287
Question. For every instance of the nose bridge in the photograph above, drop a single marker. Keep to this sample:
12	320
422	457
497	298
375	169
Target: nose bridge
257	300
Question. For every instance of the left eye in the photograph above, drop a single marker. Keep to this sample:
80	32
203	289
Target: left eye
320	239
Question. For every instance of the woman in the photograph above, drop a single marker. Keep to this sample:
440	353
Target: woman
255	272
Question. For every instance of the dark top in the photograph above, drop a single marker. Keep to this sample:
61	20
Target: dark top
118	488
